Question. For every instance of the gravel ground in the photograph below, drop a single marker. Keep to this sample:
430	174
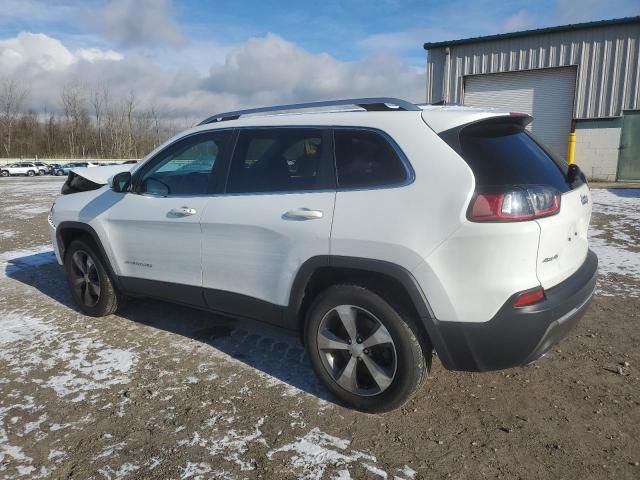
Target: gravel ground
162	391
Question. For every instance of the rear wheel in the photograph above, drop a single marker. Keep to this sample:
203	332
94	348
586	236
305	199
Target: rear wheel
59	173
90	283
364	351
41	172
31	173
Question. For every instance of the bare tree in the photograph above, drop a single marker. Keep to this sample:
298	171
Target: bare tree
12	98
155	118
89	123
129	104
73	104
99	101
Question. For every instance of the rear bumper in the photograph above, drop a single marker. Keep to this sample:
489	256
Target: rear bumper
517	336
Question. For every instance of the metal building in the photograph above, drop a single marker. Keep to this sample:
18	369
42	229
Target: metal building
584	77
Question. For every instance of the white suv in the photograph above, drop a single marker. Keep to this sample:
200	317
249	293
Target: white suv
28	169
380	235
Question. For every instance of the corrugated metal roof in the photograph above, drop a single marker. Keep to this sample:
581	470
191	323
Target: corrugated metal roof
537	31
607	61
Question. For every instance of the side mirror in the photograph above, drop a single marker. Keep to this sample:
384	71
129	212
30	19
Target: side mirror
121	182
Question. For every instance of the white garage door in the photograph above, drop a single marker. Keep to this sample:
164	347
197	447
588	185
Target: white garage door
546	94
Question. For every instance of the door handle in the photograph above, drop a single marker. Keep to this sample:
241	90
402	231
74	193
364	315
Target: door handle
182	212
302	214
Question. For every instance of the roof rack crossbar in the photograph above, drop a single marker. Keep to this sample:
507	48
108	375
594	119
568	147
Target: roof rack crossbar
370	104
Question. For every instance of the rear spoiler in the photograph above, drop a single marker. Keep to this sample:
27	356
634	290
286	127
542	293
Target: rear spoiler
452	135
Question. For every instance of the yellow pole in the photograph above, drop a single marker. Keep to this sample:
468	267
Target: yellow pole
571	148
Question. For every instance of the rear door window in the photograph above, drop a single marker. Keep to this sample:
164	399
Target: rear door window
365	158
281	160
503	153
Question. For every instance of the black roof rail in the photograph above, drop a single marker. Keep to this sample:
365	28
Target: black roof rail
375	104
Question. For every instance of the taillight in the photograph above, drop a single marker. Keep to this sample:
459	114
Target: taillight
529	298
514	204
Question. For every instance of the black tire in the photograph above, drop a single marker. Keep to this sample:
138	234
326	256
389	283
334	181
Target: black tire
411	366
108	299
41	172
31	173
5	173
59	173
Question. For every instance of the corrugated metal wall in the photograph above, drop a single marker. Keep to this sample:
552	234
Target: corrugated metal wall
608	61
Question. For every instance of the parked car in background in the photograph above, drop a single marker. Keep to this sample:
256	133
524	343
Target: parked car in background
43	168
53	167
22	168
66	168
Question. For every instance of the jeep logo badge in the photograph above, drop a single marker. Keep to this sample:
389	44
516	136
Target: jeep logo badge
584	199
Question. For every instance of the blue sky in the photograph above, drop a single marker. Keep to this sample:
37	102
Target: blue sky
238	53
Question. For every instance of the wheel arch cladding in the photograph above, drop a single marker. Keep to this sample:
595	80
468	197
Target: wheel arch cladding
67	232
392	282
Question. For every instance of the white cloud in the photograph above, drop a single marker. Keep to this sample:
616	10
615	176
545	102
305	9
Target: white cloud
260	71
34	50
272	68
521	20
134	23
95	54
31	53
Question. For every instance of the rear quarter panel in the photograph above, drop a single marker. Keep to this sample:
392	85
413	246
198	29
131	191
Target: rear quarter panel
405	225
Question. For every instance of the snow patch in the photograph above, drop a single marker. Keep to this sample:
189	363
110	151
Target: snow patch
124	470
617	240
230	444
316	451
85	364
195	470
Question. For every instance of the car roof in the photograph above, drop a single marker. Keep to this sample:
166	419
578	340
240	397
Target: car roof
438	117
353	112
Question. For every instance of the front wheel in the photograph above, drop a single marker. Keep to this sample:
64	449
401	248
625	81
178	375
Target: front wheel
90	283
59	173
5	173
31	173
363	350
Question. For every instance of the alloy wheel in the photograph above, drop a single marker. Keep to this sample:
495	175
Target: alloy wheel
357	350
85	279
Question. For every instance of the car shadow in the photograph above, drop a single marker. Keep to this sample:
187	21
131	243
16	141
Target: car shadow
268	349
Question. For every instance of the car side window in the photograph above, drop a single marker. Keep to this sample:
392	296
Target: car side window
365	158
279	160
186	167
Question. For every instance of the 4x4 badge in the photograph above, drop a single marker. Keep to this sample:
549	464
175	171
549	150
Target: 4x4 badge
584	199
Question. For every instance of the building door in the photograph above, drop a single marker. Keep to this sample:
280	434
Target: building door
629	159
546	94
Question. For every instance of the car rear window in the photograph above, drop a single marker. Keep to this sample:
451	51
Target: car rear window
503	153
